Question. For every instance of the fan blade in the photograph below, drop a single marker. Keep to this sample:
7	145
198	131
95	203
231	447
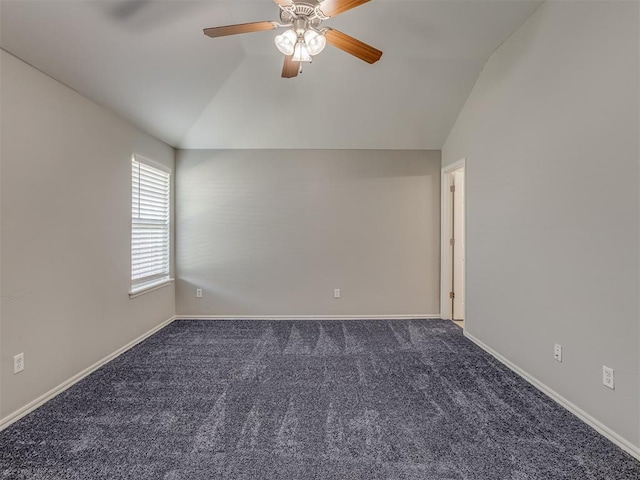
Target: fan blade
353	46
290	68
283	3
331	8
240	28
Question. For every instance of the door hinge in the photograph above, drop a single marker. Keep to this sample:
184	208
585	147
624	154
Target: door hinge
452	295
452	188
452	242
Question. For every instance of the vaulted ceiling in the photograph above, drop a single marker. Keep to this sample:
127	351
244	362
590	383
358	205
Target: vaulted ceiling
149	61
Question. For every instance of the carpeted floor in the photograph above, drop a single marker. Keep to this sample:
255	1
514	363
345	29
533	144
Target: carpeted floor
354	400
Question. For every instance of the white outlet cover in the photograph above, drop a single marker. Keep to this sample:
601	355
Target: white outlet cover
608	377
18	363
557	352
336	293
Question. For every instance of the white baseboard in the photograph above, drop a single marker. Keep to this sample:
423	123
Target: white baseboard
623	443
31	406
308	317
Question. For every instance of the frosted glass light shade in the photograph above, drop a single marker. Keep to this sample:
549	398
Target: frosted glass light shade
300	53
315	42
286	42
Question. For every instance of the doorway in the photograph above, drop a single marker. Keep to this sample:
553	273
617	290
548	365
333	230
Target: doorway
452	271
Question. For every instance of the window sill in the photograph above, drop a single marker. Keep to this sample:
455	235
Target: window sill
149	287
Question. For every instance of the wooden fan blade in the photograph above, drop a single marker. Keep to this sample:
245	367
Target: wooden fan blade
290	68
283	3
353	46
331	8
240	28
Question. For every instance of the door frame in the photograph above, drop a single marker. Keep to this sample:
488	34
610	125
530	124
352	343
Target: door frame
446	227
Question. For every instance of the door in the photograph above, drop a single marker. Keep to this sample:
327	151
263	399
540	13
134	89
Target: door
458	244
452	243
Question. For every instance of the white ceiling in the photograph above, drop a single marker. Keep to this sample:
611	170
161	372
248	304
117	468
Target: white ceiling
150	62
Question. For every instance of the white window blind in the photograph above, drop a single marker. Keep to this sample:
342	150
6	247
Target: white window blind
150	224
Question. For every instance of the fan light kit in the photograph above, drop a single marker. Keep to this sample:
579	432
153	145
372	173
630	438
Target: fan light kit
301	43
304	38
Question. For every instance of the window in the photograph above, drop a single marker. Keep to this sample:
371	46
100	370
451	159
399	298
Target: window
150	224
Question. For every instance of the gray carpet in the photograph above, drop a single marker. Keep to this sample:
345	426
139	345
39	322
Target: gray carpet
355	400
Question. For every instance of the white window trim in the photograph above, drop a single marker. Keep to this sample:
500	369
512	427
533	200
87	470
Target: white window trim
155	284
150	287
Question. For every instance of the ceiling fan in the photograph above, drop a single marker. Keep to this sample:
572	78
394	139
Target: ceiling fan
304	37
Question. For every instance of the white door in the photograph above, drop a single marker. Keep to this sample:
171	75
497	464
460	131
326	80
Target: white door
458	244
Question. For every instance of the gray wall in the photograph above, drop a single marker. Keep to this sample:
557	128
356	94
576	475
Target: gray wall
273	232
65	224
550	136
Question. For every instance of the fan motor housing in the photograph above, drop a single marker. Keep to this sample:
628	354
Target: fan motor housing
306	10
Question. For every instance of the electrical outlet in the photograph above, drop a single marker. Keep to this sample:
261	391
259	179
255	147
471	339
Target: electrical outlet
18	363
198	292
557	352
608	379
336	293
